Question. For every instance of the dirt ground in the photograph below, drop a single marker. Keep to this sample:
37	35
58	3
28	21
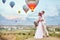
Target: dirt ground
8	37
46	38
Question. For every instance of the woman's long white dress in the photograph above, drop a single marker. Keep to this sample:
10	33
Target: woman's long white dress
39	31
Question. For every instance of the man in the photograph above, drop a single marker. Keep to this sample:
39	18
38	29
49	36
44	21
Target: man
44	24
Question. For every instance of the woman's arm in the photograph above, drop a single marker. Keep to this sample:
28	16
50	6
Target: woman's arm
38	20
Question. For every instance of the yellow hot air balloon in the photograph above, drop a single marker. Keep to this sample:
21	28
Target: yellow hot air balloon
19	11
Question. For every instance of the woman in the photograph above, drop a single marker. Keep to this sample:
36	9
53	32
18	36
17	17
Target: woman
39	30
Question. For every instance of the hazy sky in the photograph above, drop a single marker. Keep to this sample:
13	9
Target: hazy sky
49	6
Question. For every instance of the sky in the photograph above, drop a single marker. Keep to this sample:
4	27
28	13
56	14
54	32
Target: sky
10	16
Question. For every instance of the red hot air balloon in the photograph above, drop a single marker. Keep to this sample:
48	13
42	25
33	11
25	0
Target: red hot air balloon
25	8
32	4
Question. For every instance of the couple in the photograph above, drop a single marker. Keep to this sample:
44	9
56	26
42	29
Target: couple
41	30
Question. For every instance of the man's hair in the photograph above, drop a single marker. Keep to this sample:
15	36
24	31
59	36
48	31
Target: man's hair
43	11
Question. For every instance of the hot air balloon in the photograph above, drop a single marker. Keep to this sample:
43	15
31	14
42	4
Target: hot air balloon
19	11
15	20
25	8
3	1
32	4
12	3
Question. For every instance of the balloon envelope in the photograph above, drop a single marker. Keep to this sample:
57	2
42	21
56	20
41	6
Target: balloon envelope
12	3
3	1
15	20
19	12
25	8
32	4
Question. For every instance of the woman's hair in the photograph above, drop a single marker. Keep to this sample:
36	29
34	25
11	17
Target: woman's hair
39	14
35	23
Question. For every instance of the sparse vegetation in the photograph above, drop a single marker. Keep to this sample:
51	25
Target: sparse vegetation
23	34
57	29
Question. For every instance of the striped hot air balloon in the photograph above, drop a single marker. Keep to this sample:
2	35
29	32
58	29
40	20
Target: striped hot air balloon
32	4
25	8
